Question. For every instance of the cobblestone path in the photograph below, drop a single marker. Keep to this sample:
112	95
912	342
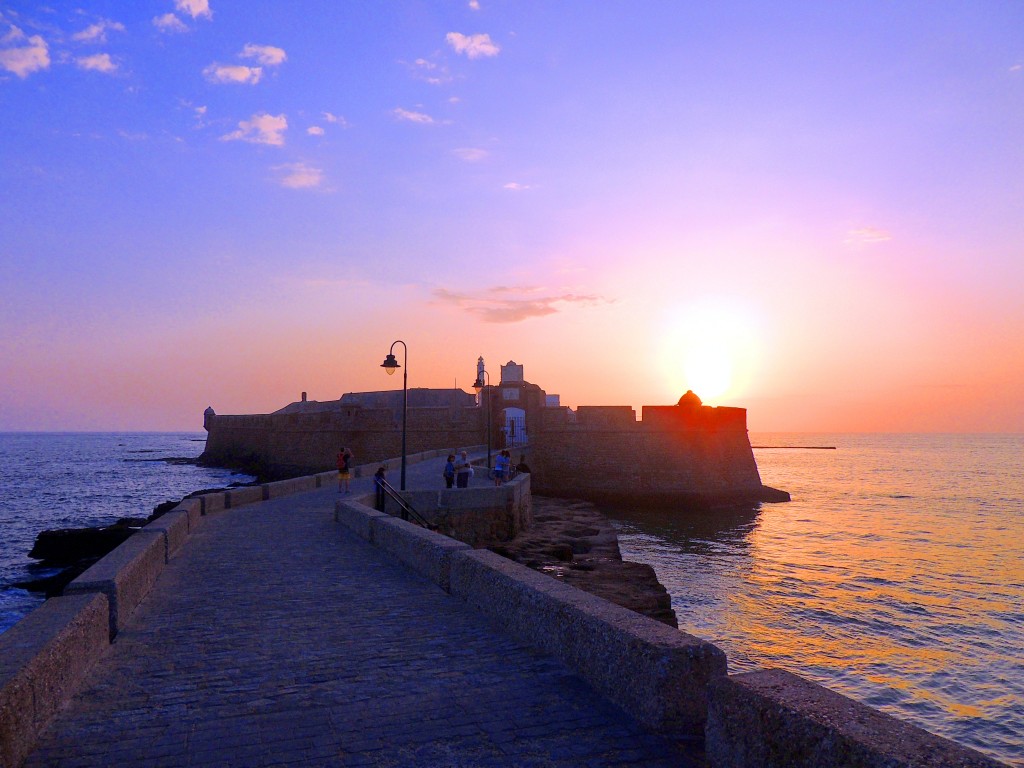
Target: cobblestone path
275	638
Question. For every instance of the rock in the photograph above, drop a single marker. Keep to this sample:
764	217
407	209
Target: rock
574	542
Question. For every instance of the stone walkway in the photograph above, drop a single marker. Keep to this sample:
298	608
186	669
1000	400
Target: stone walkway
275	638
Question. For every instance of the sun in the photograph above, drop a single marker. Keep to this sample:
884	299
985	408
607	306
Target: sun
708	370
712	347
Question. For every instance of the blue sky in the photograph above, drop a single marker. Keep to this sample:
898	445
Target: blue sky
813	210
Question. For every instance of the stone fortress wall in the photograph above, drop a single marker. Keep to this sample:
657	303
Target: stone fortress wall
680	453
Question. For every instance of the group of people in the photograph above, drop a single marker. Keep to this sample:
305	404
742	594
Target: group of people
458	471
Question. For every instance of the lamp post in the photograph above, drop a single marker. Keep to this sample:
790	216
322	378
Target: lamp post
478	385
389	365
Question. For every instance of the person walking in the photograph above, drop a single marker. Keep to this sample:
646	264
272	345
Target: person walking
449	471
463	471
501	465
344	470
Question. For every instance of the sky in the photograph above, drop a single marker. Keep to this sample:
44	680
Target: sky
811	210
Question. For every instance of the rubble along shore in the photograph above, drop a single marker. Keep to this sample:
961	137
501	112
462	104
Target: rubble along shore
574	542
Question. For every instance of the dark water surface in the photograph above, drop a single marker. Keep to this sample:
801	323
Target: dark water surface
895	576
58	480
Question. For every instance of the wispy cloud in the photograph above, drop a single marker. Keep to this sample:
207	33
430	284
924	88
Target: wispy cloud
233	73
470	154
473	46
97	33
194	8
1017	68
431	72
866	236
98	62
516	186
23	55
260	129
335	119
412	117
299	175
269	55
315	130
474	5
512	304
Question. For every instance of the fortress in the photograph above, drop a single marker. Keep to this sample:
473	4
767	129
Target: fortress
686	453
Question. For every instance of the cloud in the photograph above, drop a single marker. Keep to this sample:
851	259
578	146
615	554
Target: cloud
194	8
474	5
474	46
269	55
299	175
338	119
23	55
99	62
233	73
315	130
430	72
261	129
470	154
412	117
169	23
97	33
496	305
866	236
1017	67
516	186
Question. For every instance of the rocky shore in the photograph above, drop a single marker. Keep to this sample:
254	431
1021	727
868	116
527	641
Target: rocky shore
574	542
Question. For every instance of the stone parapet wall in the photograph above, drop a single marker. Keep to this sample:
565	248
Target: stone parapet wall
43	660
775	718
477	516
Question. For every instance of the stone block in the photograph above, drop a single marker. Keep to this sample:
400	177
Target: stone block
357	515
775	718
43	660
212	502
652	671
236	497
173	526
124	575
292	485
426	552
193	507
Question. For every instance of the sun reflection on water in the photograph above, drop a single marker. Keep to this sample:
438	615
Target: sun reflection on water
894	576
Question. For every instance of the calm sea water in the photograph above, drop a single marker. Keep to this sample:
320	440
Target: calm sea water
50	480
895	576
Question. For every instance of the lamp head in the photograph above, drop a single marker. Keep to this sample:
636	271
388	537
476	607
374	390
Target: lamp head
478	385
390	364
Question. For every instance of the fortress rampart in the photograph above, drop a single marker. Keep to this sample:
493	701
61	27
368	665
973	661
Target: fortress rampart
296	443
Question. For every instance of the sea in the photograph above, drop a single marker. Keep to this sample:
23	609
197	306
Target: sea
895	576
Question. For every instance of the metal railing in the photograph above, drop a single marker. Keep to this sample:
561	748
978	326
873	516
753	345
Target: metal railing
406	511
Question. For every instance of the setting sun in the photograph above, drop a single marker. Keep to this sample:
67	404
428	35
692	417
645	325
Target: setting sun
712	349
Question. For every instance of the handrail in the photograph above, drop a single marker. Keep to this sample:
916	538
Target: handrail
406	508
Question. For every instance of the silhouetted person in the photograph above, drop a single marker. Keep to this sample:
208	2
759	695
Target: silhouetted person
378	485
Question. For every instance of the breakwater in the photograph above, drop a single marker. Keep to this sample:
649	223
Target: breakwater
672	682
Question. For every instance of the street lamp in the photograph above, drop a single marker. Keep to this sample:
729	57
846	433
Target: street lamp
478	385
389	365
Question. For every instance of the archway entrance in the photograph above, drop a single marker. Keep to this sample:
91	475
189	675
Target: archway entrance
513	427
